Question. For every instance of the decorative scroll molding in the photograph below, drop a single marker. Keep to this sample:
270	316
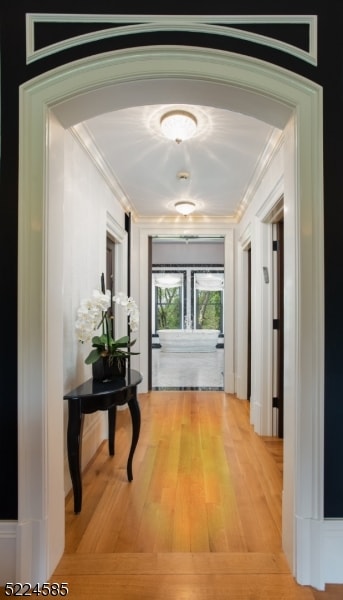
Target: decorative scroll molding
207	24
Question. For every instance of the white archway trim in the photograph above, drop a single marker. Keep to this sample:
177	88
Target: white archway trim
38	389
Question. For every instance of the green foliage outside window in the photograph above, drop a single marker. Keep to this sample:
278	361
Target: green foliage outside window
168	308
209	309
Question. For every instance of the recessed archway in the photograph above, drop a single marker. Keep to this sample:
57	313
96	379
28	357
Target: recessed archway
41	505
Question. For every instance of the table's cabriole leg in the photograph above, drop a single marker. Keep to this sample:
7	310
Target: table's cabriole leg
112	416
74	437
136	425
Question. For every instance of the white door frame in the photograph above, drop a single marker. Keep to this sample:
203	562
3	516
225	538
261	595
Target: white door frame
40	388
141	289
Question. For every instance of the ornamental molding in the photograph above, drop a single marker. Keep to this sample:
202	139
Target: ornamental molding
126	25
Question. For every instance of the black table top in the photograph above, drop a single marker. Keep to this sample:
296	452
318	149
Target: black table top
92	388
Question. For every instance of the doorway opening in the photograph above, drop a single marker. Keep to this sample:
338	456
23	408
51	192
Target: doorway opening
278	328
110	275
40	377
249	325
187	312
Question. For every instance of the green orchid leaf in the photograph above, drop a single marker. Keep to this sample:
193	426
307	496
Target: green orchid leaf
123	341
92	357
98	340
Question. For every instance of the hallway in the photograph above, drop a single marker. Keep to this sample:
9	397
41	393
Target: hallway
201	519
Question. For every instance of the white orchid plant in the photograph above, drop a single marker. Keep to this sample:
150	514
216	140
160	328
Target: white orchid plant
93	314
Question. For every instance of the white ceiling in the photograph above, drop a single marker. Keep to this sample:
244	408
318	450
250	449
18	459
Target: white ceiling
119	126
222	160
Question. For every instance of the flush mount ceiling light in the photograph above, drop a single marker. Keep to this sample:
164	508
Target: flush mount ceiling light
178	125
184	207
183	175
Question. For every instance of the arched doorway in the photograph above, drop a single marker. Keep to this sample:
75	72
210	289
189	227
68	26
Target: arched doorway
41	507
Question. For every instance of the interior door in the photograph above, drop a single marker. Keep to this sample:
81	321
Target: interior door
278	326
149	312
110	250
249	328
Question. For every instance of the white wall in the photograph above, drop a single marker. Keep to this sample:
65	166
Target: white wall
88	205
191	253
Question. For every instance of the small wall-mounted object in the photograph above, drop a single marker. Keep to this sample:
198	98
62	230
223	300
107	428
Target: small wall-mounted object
266	274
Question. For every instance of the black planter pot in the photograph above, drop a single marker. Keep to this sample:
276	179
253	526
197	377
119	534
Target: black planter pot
108	368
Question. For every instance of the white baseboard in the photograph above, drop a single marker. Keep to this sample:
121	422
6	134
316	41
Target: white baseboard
8	535
320	552
333	550
13	568
240	387
255	415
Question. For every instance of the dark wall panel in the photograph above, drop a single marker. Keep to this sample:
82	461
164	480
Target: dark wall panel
329	73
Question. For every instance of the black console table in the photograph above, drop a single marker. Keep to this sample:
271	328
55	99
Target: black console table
90	397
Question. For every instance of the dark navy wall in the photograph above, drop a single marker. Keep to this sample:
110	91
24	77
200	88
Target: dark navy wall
328	73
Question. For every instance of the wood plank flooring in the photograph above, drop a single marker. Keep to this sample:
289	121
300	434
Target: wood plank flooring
198	485
201	519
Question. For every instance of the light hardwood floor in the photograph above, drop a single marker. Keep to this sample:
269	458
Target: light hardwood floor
201	519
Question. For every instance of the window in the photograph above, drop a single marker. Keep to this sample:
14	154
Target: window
208	299
209	313
187	298
168	308
169	294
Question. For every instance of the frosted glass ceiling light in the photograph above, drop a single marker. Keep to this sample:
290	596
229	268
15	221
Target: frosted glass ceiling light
184	207
178	125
